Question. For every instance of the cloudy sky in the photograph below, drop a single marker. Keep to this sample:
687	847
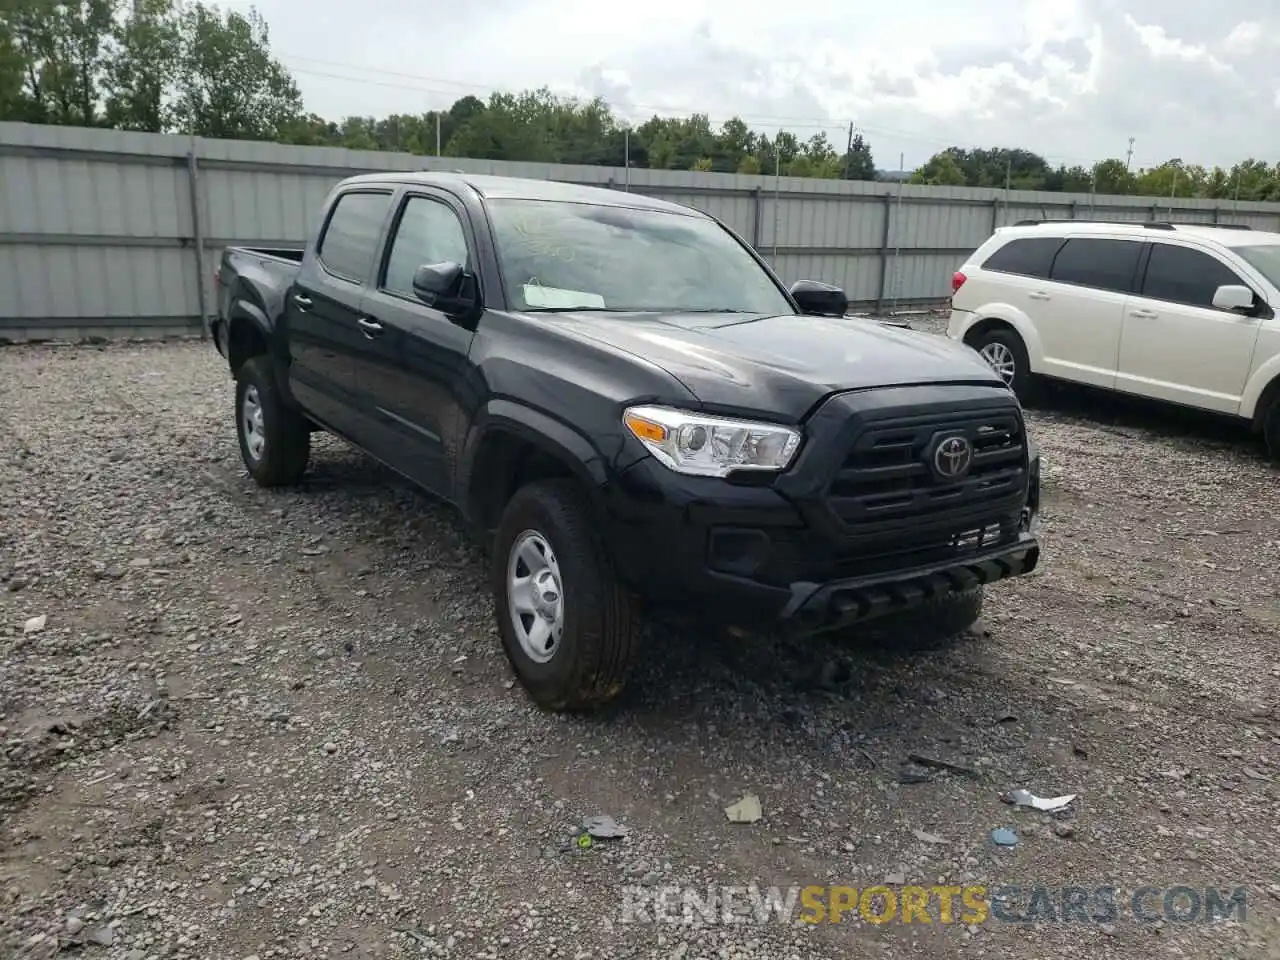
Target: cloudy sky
1070	79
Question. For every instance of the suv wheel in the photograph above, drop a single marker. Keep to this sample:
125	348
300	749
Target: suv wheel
1271	430
568	626
275	441
1004	350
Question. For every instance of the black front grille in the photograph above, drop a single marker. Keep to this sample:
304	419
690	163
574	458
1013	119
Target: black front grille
888	476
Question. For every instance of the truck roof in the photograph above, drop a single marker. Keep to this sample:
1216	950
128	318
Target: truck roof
521	188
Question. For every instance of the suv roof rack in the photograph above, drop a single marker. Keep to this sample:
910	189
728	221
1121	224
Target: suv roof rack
1149	224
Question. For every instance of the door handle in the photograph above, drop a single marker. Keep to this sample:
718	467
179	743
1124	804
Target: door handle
301	301
1143	314
371	328
1037	295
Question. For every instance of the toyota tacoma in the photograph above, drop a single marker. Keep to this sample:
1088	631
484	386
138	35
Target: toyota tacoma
627	405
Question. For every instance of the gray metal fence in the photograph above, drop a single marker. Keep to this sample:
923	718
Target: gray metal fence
104	232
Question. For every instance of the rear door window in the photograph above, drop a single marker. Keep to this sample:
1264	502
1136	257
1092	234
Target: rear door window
351	236
1026	257
1100	264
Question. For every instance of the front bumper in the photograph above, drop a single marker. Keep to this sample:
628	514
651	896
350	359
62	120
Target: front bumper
846	602
745	556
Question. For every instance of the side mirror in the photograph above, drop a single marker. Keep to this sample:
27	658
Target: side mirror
446	286
819	299
1233	297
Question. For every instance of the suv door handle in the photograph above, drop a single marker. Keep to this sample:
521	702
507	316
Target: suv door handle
371	328
1143	314
1037	295
301	301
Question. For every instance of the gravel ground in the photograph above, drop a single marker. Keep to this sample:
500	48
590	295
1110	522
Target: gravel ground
240	723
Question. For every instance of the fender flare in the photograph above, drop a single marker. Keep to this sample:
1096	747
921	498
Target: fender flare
537	428
242	309
1004	313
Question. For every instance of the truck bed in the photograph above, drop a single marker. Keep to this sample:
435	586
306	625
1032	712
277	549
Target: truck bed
258	275
272	253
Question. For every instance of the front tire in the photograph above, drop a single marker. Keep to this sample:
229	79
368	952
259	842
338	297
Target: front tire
275	441
1271	430
933	625
1005	352
568	626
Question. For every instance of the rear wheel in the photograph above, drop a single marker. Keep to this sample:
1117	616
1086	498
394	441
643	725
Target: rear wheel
275	440
568	626
1005	352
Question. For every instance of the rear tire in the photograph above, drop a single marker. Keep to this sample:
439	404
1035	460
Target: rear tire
275	440
568	626
1004	350
934	625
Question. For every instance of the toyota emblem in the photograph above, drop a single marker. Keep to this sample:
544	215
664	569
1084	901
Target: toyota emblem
952	457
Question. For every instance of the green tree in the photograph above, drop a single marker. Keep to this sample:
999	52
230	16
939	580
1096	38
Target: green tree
858	162
140	69
13	100
941	170
1114	177
228	84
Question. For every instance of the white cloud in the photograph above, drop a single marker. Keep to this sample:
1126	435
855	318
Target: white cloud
1244	36
1071	79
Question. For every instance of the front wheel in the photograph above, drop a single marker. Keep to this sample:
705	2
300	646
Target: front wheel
1006	354
569	628
933	625
1271	430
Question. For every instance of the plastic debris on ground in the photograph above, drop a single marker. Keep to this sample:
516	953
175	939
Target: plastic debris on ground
604	828
1025	798
1004	837
746	810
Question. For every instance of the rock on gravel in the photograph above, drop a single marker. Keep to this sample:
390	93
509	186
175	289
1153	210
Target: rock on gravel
279	724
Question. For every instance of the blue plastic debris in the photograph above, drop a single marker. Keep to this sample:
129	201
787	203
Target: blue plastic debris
1004	837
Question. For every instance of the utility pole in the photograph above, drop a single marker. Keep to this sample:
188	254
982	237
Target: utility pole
437	133
1128	157
1008	176
626	150
777	197
848	153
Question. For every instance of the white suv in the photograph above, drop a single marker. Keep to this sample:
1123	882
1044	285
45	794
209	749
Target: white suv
1176	312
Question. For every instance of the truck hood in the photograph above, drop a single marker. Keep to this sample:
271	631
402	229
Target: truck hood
780	364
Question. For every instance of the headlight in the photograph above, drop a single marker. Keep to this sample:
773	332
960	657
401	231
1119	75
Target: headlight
710	446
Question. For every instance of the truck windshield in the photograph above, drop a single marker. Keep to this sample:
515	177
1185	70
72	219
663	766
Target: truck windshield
578	256
1265	259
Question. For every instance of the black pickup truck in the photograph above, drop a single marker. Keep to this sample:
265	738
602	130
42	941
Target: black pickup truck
625	403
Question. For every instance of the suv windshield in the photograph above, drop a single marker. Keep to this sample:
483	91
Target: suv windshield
575	256
1265	259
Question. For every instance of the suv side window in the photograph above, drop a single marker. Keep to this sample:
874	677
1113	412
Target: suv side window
1183	275
351	237
429	232
1027	257
1101	264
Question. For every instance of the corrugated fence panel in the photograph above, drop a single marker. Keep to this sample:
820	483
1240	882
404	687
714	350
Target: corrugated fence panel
96	226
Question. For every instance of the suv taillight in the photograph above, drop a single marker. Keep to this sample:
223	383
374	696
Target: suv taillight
957	281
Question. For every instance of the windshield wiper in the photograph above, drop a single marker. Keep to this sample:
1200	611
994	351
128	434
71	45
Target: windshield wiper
575	310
